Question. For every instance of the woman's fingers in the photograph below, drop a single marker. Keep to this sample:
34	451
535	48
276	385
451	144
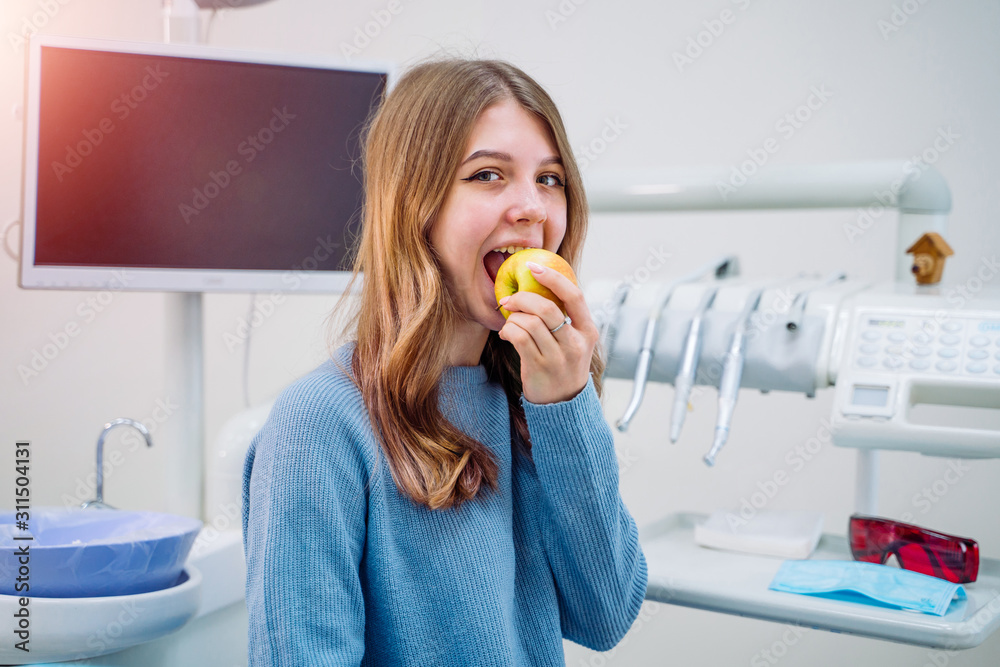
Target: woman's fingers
517	332
543	341
555	353
567	291
535	304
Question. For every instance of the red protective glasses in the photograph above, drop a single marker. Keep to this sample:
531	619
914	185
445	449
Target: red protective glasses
953	558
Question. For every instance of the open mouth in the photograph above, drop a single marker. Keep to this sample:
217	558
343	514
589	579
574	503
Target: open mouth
498	256
492	262
495	258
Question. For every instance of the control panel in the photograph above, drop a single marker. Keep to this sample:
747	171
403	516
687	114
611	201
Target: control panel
918	373
946	344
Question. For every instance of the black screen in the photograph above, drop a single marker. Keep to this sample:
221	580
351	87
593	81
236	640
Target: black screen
168	162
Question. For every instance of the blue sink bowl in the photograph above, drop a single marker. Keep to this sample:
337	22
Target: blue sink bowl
77	553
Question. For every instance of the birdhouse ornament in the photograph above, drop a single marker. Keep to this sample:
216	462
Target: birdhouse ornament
929	254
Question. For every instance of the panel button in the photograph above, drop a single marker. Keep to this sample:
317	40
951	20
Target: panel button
946	366
976	367
978	354
894	350
920	364
947	353
979	341
924	351
867	362
893	363
897	337
922	338
950	339
952	326
871	336
869	348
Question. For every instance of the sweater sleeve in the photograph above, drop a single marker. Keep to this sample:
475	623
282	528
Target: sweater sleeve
304	508
590	538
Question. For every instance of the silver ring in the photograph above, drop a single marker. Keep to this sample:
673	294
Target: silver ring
565	321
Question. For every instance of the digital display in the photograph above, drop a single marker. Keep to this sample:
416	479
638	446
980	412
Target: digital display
895	324
153	161
870	396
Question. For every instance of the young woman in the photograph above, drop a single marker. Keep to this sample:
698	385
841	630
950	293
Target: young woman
444	491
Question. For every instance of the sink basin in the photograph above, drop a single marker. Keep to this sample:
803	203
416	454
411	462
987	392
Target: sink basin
78	553
62	629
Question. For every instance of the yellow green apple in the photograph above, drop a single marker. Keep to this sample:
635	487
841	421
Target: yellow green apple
515	276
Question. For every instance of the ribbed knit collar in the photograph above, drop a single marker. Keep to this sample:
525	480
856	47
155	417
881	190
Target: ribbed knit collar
456	376
464	375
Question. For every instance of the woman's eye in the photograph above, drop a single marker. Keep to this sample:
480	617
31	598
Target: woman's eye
484	176
551	179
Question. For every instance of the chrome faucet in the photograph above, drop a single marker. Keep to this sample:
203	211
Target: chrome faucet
98	503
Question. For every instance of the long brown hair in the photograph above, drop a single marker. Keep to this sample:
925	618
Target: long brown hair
412	149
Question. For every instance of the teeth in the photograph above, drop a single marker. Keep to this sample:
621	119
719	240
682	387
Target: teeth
512	249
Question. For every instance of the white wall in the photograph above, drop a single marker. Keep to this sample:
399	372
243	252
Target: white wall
889	96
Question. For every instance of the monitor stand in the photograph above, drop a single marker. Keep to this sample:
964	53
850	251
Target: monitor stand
184	384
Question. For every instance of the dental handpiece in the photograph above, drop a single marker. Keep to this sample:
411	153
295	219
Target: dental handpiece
797	310
722	267
732	375
641	374
689	364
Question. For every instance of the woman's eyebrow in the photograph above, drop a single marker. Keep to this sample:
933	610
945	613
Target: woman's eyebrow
506	157
496	155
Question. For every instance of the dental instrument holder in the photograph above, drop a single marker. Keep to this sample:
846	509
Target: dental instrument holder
721	268
798	308
98	502
610	315
922	198
776	359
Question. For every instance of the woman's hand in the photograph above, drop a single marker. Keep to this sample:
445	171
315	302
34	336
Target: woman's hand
554	366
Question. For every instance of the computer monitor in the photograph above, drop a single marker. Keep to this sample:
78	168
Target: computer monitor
169	167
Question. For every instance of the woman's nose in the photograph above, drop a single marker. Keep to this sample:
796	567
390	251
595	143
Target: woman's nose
526	206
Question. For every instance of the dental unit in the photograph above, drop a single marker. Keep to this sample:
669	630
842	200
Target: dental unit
909	369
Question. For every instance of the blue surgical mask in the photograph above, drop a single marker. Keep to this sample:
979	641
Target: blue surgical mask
867	583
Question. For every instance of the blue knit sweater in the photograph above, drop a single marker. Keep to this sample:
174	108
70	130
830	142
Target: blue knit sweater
344	570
